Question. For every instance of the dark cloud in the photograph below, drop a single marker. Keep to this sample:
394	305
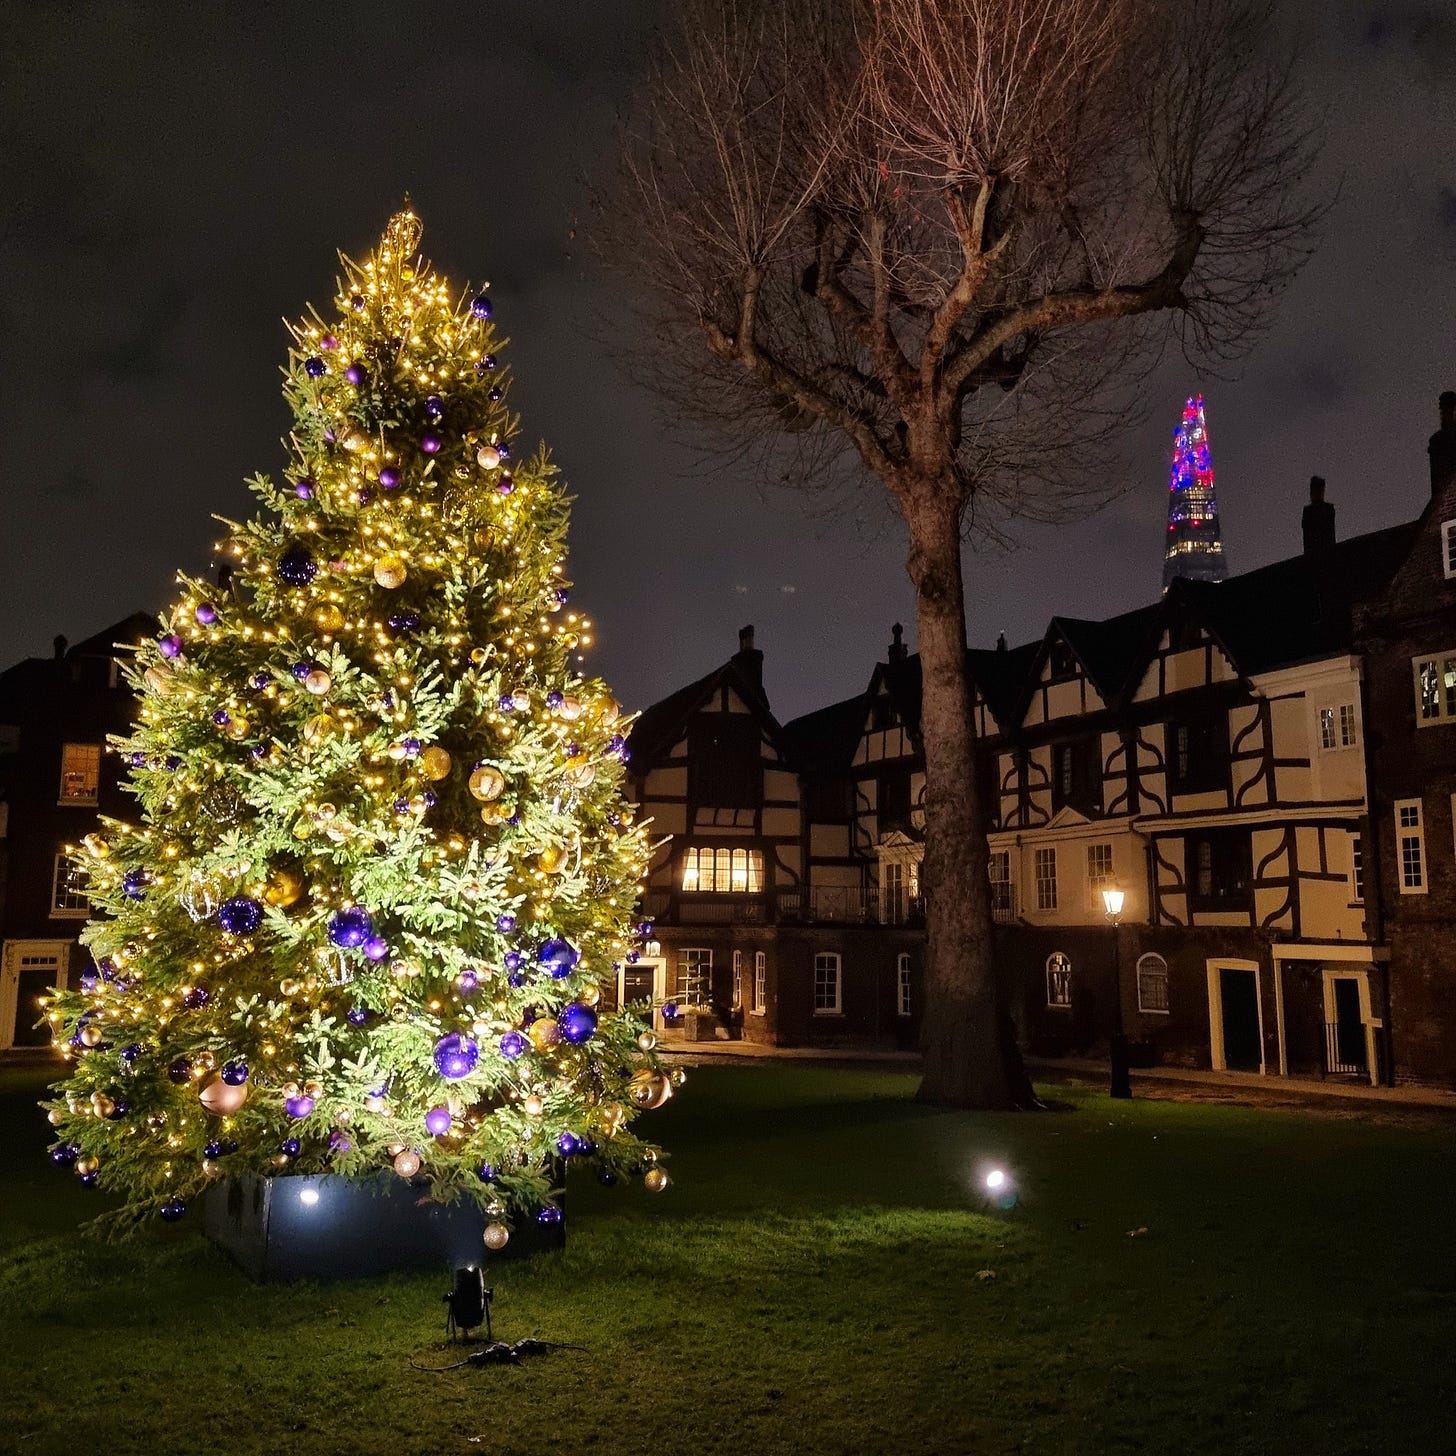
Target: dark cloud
176	180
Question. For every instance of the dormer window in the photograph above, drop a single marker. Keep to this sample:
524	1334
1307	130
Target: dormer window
1448	549
1061	661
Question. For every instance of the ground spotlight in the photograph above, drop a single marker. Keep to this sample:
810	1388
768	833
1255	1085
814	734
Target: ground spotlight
998	1186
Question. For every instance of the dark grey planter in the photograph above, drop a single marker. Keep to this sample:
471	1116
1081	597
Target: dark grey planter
354	1228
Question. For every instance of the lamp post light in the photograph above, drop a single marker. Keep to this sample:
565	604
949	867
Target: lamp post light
1112	900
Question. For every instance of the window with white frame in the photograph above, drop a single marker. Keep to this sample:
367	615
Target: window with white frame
1448	549
826	984
1099	872
694	977
1000	872
1059	980
1410	846
723	870
1046	878
737	980
892	892
1152	983
760	983
1435	678
1337	727
68	890
80	772
1357	866
902	983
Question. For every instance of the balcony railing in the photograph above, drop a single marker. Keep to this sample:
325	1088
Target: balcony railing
1345	1050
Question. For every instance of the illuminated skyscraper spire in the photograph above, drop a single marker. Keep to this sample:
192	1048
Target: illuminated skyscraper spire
1194	547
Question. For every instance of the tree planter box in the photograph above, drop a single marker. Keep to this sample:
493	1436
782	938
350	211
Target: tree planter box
276	1229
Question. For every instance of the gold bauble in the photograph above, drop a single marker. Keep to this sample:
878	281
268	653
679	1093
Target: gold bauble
478	655
376	1104
646	1041
544	1033
580	774
436	763
92	1035
487	782
569	708
590	994
677	1076
319	727
330	617
655	1180
354	440
488	457
222	1099
609	710
96	846
613	1117
407	1164
291	1089
390	571
55	1117
85	1166
649	1089
497	1236
493	814
534	1106
303	829
238	728
344	1116
318	682
102	1105
211	1167
204	1061
284	887
313	1089
552	858
157	681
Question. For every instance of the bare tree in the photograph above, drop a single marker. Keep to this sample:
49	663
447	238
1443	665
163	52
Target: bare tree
936	237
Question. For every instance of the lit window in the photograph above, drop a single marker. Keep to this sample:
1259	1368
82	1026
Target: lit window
1000	872
1059	980
1337	726
1046	879
760	982
68	890
737	980
1099	873
1410	840
723	871
1435	689
1448	549
902	983
826	984
80	772
694	977
1152	983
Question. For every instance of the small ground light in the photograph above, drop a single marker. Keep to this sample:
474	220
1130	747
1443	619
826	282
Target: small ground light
308	1196
1000	1188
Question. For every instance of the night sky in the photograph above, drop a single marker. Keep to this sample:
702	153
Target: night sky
177	178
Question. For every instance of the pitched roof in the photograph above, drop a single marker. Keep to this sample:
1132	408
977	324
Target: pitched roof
824	741
1112	650
662	724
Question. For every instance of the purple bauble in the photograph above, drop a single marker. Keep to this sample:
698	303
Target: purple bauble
643	928
405	621
376	947
401	806
221	718
130	1052
330	341
299	1106
412	747
505	923
561	596
487	362
304	489
555	698
339	1141
240	915
430	444
137	760
119	1109
559	957
669	1011
437	1121
260	681
515	980
64	1153
550	1215
389	477
315	367
455	1056
486	1173
206	613
512	960
356	302
213	1149
235	1073
301	670
88	1180
170	645
512	1044
180	1071
296	567
480	306
495	396
355	374
434	406
578	1023
134	884
172	1210
507	702
350	928
568	1144
289	1147
467	980
505	485
357	1016
195	997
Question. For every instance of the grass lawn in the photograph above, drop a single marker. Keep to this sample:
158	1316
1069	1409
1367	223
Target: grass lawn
812	1282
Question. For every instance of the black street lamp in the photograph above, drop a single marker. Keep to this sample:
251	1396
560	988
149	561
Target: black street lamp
1112	899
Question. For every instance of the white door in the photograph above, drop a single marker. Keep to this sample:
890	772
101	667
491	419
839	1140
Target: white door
29	968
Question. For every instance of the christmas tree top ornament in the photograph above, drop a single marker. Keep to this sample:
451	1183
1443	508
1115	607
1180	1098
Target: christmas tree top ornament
381	873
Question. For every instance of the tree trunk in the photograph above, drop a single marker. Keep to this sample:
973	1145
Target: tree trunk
966	1062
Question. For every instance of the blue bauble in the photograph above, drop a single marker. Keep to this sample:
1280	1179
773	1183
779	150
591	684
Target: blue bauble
512	1044
172	1210
289	1147
486	1173
355	374
240	915
550	1215
180	1071
456	1056
64	1153
131	1052
296	567
350	928
505	923
88	1180
134	884
568	1144
577	1023
357	1016
235	1073
195	997
559	957
315	367
434	406
480	306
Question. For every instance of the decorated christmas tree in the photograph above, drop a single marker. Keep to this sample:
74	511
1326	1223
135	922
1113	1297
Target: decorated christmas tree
383	866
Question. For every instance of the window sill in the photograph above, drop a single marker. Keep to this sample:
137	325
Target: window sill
70	915
1154	1011
76	803
759	1011
830	1014
1059	1006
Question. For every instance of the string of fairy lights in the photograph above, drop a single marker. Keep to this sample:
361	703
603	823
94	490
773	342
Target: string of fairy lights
383	863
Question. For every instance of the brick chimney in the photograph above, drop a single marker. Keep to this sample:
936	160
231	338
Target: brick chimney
748	659
898	650
1442	448
1318	519
59	644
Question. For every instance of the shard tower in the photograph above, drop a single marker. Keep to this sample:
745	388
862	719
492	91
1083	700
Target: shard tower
1193	547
